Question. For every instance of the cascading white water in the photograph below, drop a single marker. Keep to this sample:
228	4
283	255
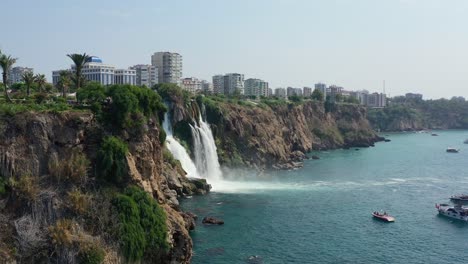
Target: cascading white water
178	151
206	157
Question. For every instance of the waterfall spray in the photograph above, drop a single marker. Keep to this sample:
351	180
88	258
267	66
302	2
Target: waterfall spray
206	156
178	151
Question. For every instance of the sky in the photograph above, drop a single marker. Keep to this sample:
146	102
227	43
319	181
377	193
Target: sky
414	45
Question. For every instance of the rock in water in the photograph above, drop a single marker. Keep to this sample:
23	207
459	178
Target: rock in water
208	220
314	157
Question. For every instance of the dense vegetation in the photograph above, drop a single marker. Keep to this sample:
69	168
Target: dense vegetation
143	228
409	114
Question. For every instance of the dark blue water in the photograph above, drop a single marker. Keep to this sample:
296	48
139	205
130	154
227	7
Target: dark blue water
321	213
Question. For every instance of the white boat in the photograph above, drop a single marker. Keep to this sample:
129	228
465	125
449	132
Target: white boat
457	212
383	216
452	150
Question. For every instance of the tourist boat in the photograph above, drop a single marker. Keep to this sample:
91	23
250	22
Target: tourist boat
459	198
452	150
383	216
457	212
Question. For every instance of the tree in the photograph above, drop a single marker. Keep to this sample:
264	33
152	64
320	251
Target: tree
28	79
64	82
41	81
6	62
79	60
317	95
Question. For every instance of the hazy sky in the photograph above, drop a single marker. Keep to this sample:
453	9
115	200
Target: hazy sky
414	45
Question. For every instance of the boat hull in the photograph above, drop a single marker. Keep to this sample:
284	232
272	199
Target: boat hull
453	216
384	218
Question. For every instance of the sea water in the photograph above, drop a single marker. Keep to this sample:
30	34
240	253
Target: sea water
322	212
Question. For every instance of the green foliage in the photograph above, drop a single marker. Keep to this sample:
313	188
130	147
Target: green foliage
317	95
169	90
143	227
351	100
295	98
40	98
92	254
93	92
162	135
111	160
129	106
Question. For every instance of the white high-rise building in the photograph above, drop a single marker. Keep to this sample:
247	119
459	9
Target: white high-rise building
16	74
233	83
280	93
169	66
207	87
125	76
192	84
146	75
218	84
256	87
322	88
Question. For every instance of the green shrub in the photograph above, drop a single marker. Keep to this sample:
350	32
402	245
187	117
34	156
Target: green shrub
111	160
91	253
143	229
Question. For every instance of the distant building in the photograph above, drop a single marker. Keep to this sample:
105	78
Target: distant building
125	76
169	66
377	100
146	75
233	83
228	84
280	93
256	87
290	91
322	88
218	84
192	84
207	87
361	96
93	70
414	96
270	92
307	91
16	74
334	90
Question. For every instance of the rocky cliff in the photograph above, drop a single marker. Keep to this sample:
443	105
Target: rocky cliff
34	204
277	135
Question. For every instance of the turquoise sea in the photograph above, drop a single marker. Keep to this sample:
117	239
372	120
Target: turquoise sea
322	212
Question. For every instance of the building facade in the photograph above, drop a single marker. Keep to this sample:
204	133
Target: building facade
280	93
125	76
307	91
192	84
256	87
377	100
233	83
322	88
146	75
16	74
291	91
218	84
207	87
334	90
169	66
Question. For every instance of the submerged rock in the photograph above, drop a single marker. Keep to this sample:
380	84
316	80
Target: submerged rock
208	220
315	157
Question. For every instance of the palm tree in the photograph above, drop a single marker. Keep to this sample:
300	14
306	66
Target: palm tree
5	63
41	81
28	79
79	60
64	82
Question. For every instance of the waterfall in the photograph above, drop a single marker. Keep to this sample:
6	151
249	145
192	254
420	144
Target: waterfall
178	151
206	157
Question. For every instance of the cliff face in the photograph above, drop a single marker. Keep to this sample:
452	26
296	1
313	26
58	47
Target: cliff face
278	136
29	142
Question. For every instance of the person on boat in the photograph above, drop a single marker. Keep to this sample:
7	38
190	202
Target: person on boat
385	213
